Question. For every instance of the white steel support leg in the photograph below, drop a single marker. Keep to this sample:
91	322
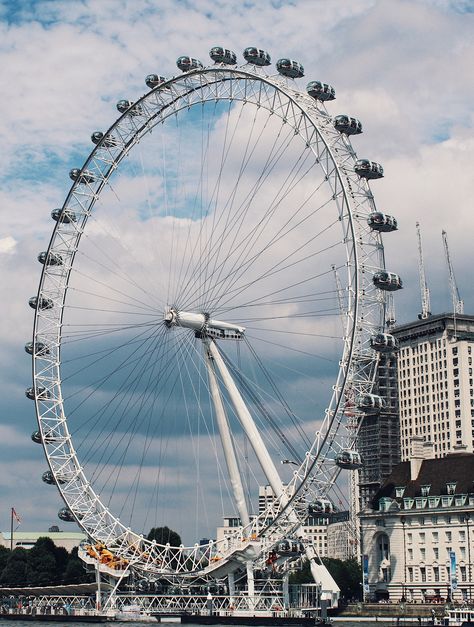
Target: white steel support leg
248	424
286	590
319	572
227	444
250	586
231	582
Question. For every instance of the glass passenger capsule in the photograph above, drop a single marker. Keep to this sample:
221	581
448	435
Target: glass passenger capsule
41	393
153	80
290	68
66	515
368	169
43	303
40	348
381	222
320	506
127	106
186	64
348	126
108	141
349	460
370	403
384	343
222	55
321	91
66	216
257	56
37	439
53	259
81	176
48	478
388	281
289	546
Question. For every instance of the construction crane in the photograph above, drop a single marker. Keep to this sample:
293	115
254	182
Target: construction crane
458	304
425	292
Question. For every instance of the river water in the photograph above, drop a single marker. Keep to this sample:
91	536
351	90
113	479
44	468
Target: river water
346	622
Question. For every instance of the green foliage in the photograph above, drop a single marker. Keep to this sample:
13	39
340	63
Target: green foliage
16	568
43	568
75	572
4	555
45	564
347	574
164	535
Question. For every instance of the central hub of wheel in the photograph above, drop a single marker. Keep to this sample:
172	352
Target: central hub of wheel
203	325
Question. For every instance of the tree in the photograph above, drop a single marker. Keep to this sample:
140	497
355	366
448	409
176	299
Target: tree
75	571
15	571
62	558
347	574
42	567
4	555
164	535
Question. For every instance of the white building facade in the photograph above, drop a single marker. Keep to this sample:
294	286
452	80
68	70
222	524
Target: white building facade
419	534
27	539
435	382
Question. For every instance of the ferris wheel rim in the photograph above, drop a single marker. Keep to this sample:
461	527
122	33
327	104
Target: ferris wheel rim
279	86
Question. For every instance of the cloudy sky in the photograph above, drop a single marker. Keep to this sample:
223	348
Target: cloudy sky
402	67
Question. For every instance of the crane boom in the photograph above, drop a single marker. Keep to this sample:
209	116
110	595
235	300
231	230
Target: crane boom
424	290
458	303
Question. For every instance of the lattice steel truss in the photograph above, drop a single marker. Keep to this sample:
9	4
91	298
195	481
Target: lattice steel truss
364	303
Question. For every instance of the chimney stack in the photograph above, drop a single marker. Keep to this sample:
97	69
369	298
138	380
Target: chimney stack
420	449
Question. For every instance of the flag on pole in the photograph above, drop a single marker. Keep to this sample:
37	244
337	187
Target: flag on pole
16	517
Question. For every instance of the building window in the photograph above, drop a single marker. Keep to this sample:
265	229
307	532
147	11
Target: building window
436	553
436	573
463	573
425	490
422	537
410	573
423	554
435	536
423	574
449	536
450	487
410	555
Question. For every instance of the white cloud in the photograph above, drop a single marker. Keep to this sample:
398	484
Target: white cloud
8	245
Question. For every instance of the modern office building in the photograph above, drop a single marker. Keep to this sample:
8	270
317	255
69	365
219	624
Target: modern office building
418	535
435	379
341	543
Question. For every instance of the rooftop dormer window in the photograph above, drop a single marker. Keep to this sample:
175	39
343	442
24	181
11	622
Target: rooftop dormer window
399	492
451	487
425	490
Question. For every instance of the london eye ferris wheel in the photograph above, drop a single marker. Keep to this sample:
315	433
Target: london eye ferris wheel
187	333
